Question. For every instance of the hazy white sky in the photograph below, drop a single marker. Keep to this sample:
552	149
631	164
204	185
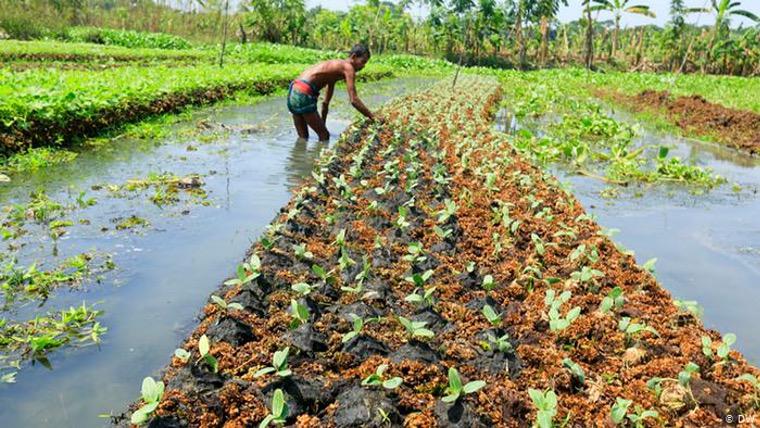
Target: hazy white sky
572	12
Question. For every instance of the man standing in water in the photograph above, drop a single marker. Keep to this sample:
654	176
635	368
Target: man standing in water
304	91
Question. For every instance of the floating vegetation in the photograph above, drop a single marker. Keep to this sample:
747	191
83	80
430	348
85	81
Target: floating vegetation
131	222
36	338
32	283
166	188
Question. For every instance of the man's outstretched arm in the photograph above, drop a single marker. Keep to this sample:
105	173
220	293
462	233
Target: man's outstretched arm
353	96
326	102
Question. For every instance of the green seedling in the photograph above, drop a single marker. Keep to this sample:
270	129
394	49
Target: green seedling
649	265
619	410
418	279
632	329
443	234
685	375
638	417
455	389
279	413
344	262
491	315
302	253
401	221
575	370
416	328
501	344
357	324
203	348
415	253
152	392
322	274
182	354
246	272
279	365
556	321
223	305
449	210
299	313
340	238
303	288
376	379
424	300
586	274
546	406
691	307
724	348
488	283
614	300
538	244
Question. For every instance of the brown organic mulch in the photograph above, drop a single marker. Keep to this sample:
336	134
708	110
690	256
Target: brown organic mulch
739	129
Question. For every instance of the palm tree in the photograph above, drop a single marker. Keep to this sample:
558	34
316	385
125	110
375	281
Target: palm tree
589	51
545	12
618	7
723	10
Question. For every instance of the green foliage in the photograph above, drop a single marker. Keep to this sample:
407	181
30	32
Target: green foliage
127	38
456	389
152	392
546	405
279	410
204	348
415	328
279	365
376	379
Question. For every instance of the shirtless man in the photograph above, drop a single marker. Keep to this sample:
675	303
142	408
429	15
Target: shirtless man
304	91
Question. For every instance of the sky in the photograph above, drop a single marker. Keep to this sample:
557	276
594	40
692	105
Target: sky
570	13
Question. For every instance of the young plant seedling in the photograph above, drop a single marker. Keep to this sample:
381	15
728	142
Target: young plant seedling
638	417
575	370
424	300
456	389
586	275
685	375
415	253
419	279
279	365
632	329
546	405
488	283
443	234
376	379
322	274
152	392
303	288
357	324
449	209
619	410
415	328
302	253
556	321
182	354
246	272
299	313
203	348
614	300
501	344
491	315
224	305
691	307
723	349
279	410
344	262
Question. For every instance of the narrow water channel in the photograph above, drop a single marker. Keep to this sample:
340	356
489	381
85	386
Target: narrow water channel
707	246
166	271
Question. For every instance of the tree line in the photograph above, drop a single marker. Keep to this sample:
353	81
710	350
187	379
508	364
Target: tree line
507	33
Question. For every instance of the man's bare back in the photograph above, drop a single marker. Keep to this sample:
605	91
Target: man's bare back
304	91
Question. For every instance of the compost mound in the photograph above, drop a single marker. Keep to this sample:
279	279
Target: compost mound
433	204
694	114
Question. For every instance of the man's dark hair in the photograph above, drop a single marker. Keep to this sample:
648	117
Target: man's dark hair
360	50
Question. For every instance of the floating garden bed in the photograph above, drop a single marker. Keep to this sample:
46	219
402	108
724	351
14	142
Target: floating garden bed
427	275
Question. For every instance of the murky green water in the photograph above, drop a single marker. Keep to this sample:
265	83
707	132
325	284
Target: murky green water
707	246
166	271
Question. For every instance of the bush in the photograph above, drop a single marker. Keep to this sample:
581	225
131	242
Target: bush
126	38
25	28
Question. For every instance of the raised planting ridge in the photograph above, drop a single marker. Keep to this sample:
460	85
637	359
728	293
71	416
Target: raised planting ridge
47	107
427	275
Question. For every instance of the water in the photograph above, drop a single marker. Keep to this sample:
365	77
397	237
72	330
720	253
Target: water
166	272
707	246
